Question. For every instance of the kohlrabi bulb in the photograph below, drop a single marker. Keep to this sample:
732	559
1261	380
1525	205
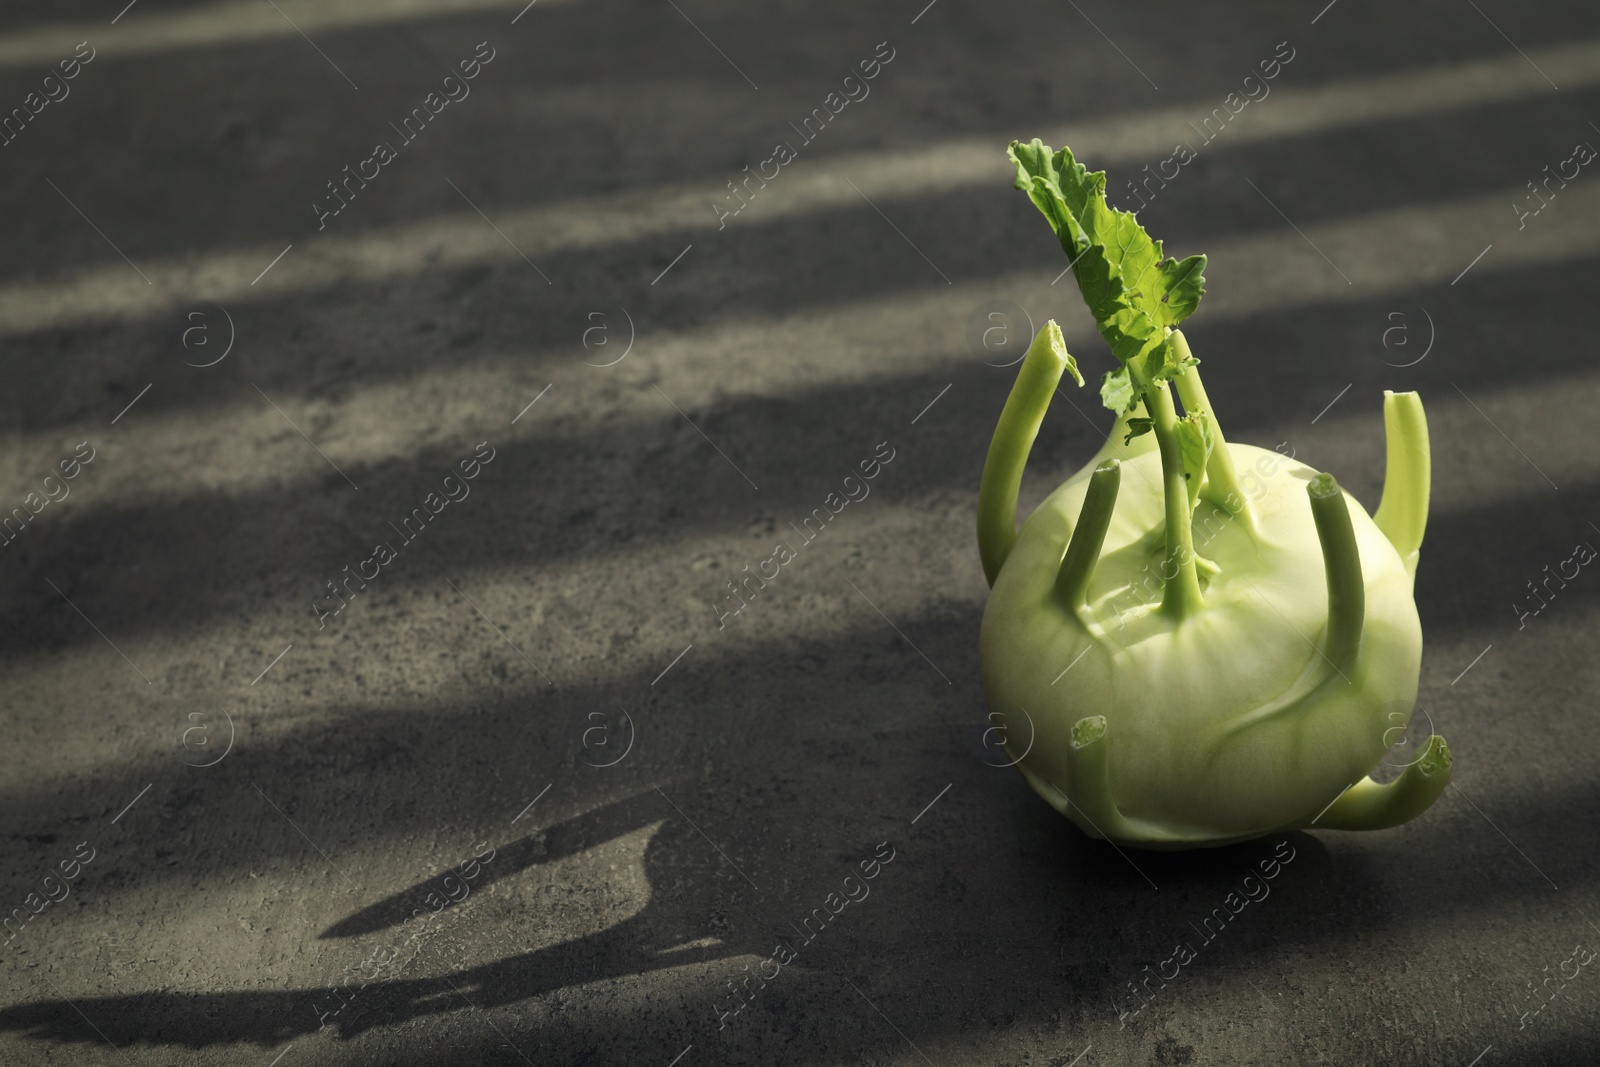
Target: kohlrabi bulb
1192	642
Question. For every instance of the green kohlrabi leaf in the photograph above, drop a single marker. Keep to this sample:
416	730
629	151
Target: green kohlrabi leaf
1138	428
1160	364
1195	442
1134	293
1117	391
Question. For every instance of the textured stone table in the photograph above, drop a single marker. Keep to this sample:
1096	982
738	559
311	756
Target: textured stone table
492	287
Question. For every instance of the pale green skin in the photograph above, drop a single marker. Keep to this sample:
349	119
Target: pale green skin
1228	724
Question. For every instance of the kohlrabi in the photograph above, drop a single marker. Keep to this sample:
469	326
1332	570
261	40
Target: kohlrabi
1193	642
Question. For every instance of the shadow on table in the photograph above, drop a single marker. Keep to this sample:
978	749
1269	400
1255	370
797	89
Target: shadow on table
1083	954
670	931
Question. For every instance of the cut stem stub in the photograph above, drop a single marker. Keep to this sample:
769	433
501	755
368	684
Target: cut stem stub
1367	805
1341	560
1402	514
1222	481
1041	371
1088	536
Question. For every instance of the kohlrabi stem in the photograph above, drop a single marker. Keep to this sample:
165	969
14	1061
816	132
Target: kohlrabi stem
1222	482
1180	596
1347	608
1091	779
1403	512
1083	551
1036	382
1368	805
1116	447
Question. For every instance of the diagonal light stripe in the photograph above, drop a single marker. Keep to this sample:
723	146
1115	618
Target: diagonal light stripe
887	178
153	30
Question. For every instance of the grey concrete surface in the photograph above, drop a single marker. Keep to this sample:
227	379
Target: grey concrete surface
523	799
